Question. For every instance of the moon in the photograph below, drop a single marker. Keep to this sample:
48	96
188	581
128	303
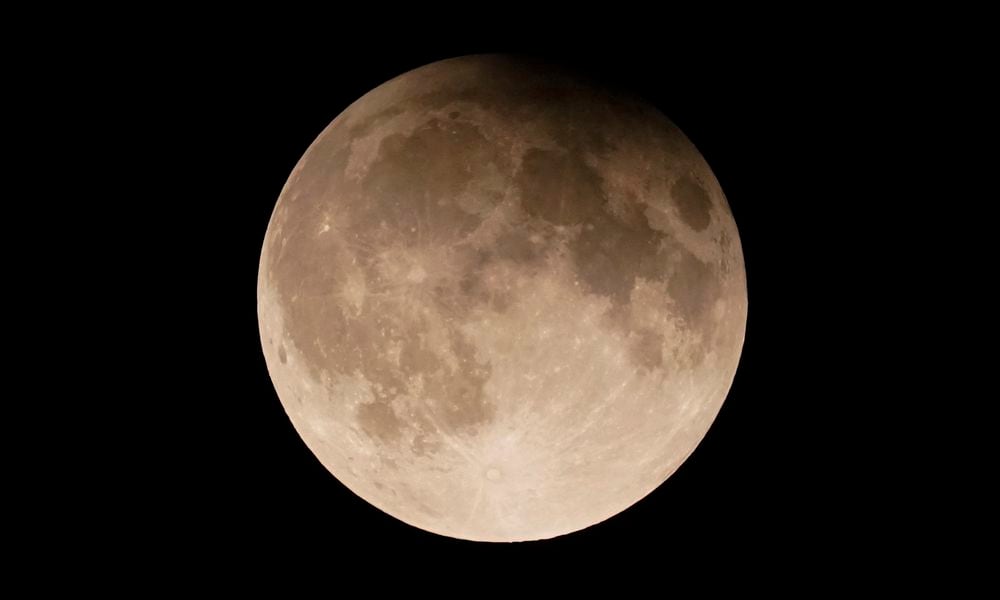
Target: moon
500	302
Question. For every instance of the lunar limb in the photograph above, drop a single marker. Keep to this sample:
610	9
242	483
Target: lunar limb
500	303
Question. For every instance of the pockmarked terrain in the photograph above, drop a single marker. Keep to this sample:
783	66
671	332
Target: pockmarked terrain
501	303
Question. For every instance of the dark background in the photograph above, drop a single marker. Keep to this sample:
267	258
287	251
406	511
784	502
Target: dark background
147	150
784	122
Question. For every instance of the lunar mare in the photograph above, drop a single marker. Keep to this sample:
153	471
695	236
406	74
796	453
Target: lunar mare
500	303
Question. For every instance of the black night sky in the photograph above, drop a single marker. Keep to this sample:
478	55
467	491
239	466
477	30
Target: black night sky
225	472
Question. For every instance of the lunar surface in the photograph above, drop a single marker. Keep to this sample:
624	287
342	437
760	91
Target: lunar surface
500	303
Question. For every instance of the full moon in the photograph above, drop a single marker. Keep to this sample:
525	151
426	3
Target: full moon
500	302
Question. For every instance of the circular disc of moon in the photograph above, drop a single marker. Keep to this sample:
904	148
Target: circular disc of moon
501	303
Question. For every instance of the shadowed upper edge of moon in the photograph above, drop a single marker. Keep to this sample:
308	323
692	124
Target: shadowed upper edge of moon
492	175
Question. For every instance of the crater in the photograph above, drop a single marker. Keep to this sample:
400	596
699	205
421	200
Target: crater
281	354
692	202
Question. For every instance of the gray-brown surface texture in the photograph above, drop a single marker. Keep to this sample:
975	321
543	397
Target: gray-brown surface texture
499	303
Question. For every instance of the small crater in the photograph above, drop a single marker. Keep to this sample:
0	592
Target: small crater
493	474
692	202
281	354
454	114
